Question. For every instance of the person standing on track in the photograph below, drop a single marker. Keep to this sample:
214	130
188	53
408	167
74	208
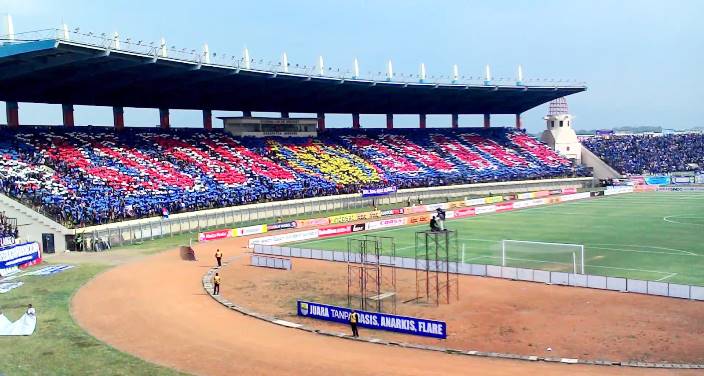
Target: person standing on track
216	284
218	256
354	318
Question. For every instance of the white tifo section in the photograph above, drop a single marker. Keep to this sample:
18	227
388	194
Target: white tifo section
550	256
672	290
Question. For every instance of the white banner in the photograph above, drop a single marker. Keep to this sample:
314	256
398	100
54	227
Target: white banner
617	190
386	223
22	327
474	202
284	238
485	209
576	196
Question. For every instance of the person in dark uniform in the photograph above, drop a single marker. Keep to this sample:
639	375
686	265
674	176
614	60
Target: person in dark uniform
434	224
218	256
216	284
354	318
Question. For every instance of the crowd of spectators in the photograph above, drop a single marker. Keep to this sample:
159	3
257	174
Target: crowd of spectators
654	154
87	177
8	230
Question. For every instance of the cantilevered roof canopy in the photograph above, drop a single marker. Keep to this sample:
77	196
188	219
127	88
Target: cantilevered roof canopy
66	72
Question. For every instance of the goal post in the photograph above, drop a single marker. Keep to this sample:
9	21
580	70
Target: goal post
543	256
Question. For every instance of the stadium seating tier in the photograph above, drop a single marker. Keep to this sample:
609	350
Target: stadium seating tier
92	176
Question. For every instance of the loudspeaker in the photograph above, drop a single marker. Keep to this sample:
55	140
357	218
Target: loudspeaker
48	243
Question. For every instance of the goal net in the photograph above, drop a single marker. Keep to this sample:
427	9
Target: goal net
556	257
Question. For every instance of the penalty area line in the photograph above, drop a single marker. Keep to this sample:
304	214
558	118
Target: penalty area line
666	277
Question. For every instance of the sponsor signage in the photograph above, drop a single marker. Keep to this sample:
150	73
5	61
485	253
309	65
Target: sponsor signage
359	227
493	199
568	191
575	196
423	218
312	222
378	191
280	226
387	213
214	235
284	238
250	230
657	180
645	188
523	196
415	209
465	212
434	207
334	230
540	194
504	207
386	223
474	202
682	179
19	254
373	320
354	217
617	190
485	209
455	204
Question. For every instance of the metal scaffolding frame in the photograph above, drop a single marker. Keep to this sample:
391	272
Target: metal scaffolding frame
371	273
437	256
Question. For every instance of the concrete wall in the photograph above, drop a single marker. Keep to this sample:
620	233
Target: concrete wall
601	169
32	225
150	228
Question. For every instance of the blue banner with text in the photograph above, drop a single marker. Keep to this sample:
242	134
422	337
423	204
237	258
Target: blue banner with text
374	320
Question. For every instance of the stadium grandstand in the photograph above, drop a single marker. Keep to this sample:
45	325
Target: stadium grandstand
84	176
650	153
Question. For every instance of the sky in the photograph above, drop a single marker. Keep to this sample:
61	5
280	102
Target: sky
641	60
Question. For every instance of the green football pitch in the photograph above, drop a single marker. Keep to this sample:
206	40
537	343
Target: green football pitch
656	236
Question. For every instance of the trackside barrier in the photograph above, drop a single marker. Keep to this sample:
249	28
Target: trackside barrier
673	290
270	262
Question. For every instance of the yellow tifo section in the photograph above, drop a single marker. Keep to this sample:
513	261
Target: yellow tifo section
331	162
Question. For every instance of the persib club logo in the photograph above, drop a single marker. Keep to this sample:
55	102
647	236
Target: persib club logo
304	309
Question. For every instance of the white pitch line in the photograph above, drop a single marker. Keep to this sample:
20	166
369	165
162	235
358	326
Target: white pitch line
666	277
667	219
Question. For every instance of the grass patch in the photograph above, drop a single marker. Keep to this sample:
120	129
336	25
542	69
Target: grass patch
59	346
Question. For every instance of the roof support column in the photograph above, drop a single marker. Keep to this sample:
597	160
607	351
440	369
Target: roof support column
487	120
422	119
247	113
164	118
285	115
321	122
118	118
355	121
67	111
389	121
12	110
207	120
455	121
519	122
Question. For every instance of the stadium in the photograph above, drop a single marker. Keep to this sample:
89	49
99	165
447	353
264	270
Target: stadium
252	248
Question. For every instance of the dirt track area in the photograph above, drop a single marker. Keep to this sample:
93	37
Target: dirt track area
155	308
495	315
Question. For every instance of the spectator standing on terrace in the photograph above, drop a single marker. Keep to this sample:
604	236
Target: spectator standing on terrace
216	284
218	256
